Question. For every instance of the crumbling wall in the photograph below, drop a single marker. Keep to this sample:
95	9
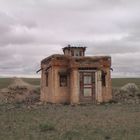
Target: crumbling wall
107	89
46	91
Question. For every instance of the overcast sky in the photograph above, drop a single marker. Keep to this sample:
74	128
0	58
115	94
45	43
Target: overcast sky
33	29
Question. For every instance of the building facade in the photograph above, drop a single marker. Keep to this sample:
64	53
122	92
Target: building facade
75	78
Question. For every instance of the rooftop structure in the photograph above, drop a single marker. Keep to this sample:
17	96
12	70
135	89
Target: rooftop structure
74	51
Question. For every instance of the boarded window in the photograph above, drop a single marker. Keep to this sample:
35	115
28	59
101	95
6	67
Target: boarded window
63	80
46	78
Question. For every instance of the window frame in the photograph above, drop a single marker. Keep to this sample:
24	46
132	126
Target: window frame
63	80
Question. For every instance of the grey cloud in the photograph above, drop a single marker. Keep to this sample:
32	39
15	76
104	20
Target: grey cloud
13	32
113	47
31	30
24	61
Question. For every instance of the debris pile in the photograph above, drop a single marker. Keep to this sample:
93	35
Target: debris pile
19	92
129	93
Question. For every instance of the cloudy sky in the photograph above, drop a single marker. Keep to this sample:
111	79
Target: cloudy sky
33	29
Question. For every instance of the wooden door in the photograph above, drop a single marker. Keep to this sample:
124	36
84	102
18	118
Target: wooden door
87	86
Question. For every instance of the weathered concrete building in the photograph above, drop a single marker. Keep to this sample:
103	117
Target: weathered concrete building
76	78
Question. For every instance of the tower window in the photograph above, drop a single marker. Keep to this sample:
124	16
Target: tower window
80	53
76	53
72	53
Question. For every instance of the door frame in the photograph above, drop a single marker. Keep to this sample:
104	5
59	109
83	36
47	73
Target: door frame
93	86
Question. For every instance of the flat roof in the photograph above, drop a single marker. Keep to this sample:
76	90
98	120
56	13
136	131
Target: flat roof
69	47
73	57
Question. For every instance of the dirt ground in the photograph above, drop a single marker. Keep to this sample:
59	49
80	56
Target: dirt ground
65	122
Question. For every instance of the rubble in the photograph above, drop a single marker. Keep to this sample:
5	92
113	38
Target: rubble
129	93
19	92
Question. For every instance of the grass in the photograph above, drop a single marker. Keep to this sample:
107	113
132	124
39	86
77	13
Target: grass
51	122
116	82
4	82
34	81
65	122
46	127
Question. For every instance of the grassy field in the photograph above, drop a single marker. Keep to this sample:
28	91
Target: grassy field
4	82
116	82
63	122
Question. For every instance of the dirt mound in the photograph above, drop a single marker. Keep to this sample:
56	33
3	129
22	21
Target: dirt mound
18	83
20	92
130	87
129	93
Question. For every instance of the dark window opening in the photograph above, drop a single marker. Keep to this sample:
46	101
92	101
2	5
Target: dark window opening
77	53
103	78
72	53
80	53
63	80
46	78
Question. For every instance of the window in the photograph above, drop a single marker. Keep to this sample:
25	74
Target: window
72	53
46	78
76	53
80	53
63	80
87	79
103	78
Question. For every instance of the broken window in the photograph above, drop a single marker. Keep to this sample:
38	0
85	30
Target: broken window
46	78
63	80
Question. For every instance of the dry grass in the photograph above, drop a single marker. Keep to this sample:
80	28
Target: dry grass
64	122
51	122
5	82
119	82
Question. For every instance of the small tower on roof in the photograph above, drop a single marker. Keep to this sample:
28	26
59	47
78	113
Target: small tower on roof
74	51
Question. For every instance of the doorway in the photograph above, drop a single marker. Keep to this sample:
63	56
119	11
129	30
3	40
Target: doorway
87	86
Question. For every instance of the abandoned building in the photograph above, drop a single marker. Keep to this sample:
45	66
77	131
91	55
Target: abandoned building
73	77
